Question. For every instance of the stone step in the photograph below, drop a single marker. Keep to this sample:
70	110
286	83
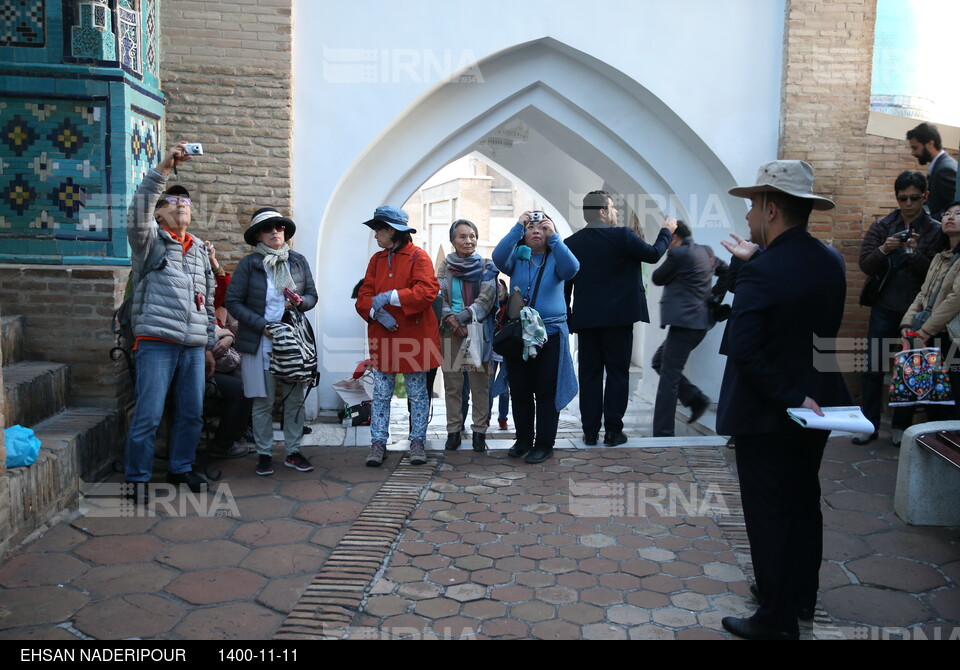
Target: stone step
76	444
91	433
34	391
11	338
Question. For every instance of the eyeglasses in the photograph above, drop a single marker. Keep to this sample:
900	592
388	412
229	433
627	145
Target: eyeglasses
270	227
174	199
909	198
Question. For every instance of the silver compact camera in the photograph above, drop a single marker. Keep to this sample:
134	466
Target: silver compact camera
193	149
536	216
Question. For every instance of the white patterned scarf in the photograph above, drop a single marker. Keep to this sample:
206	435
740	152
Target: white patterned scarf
276	260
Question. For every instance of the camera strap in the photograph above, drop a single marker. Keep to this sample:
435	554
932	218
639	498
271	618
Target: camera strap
536	288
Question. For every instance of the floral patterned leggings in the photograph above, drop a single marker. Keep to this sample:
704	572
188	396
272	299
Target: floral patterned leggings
383	385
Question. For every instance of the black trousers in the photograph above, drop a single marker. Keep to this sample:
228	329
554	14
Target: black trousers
533	389
669	361
780	490
235	410
604	350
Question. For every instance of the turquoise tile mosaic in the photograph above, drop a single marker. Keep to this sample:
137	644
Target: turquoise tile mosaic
53	164
81	122
22	23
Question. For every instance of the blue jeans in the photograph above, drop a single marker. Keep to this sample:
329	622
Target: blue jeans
161	365
503	402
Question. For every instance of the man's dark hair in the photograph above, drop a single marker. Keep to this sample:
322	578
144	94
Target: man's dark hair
682	231
796	211
908	179
924	133
593	202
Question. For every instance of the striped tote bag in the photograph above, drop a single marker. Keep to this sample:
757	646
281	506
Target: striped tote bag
294	355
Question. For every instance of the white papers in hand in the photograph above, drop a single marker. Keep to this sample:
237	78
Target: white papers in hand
849	419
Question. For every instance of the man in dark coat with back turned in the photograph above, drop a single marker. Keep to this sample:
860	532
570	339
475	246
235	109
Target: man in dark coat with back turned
608	298
789	298
687	278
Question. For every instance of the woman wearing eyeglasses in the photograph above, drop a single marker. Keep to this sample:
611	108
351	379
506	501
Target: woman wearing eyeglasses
267	282
895	256
940	295
541	382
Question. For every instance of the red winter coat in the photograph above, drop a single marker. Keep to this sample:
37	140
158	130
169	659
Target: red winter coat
415	345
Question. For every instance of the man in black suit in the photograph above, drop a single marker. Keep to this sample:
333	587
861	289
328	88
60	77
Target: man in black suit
608	298
925	145
687	278
789	298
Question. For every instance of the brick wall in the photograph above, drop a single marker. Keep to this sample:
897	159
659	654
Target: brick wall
227	72
828	54
69	312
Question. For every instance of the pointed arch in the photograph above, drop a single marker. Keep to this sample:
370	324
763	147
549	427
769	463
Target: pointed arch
591	125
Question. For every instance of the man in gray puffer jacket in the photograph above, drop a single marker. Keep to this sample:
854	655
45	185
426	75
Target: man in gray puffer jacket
174	325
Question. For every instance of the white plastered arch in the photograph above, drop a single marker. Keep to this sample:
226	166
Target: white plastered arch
601	127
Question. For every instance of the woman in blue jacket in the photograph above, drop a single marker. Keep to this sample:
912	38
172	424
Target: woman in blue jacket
545	383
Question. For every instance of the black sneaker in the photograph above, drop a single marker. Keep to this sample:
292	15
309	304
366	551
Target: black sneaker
194	482
298	461
264	465
453	441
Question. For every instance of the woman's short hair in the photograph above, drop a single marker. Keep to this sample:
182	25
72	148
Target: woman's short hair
400	238
463	222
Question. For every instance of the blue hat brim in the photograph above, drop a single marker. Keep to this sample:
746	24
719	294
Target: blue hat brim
372	224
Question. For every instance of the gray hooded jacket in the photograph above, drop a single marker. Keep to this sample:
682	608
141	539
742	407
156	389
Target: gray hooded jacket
165	303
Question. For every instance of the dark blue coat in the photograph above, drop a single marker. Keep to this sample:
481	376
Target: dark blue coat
608	290
780	338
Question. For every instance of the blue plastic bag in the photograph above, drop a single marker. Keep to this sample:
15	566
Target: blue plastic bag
23	446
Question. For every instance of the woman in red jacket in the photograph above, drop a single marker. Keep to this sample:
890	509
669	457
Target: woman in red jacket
396	299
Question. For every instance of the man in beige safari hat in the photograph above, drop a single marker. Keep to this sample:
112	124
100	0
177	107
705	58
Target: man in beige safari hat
787	296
